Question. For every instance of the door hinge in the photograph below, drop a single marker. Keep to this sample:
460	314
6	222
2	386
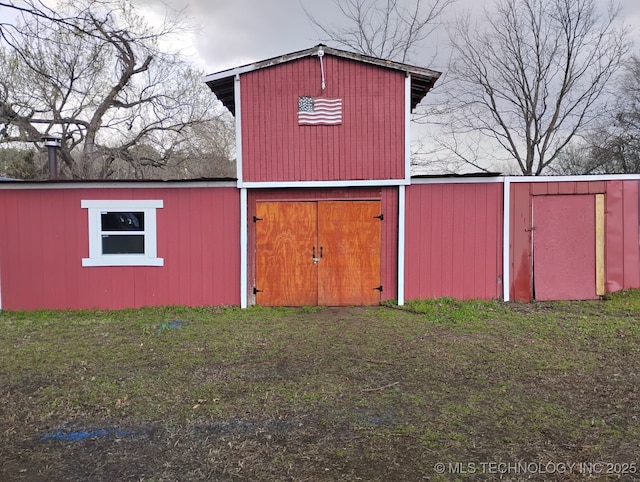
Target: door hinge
532	228
381	217
379	288
256	218
256	290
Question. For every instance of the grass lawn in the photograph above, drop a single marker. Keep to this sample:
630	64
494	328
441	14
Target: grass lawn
435	390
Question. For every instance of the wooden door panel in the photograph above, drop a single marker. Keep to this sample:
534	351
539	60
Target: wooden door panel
564	247
350	238
285	237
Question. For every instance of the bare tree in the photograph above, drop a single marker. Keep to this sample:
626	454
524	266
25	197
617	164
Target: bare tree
531	79
36	8
388	29
614	146
95	73
395	30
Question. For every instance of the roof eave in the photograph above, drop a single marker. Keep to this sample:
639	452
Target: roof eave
223	86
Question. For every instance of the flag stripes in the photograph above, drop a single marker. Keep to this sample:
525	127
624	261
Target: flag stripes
319	111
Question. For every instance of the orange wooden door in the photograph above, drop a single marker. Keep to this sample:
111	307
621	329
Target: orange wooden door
285	237
349	237
344	236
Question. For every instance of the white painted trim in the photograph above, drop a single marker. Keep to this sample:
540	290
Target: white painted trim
506	243
407	129
44	185
401	240
306	184
114	185
238	121
512	179
244	249
97	258
230	72
457	180
110	205
122	260
583	178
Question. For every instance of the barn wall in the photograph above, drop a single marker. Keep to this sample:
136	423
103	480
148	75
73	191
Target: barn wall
622	262
44	237
389	245
369	144
453	241
621	238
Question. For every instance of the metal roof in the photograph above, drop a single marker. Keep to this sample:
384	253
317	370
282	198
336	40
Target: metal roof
223	83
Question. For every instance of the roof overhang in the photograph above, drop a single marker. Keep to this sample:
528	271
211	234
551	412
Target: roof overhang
223	83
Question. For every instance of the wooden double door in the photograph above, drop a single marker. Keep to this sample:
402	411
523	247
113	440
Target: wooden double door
318	253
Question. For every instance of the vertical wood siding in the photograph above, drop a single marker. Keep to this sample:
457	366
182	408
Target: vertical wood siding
453	241
44	237
622	265
389	248
622	260
369	144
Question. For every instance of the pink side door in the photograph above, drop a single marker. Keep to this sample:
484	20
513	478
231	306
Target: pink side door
564	247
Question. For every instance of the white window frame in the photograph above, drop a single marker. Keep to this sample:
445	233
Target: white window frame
95	209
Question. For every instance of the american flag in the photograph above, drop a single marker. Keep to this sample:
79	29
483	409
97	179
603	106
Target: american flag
319	111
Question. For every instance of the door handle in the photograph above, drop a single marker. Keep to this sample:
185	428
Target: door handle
313	255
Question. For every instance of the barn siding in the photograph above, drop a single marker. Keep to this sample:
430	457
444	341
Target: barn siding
369	144
44	237
389	243
520	254
621	239
453	241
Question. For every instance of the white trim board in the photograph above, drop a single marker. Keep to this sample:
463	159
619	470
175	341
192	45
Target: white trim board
407	129
324	184
402	216
26	185
238	126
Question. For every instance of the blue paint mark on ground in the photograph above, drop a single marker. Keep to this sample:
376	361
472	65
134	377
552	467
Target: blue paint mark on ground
170	325
78	436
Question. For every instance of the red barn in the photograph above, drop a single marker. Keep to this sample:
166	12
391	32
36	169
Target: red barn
118	244
324	212
323	159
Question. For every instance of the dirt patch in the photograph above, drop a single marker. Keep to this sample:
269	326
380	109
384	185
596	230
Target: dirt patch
490	391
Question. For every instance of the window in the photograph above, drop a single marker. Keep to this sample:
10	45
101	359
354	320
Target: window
122	233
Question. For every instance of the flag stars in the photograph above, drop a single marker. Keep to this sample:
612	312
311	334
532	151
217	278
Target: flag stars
319	111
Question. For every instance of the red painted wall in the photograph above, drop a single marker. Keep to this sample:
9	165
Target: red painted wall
43	238
369	144
564	247
453	241
622	252
389	247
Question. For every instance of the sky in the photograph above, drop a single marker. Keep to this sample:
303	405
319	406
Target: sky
230	33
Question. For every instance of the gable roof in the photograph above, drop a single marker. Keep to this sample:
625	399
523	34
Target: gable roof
222	83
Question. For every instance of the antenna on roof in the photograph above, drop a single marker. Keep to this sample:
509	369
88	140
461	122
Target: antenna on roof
320	55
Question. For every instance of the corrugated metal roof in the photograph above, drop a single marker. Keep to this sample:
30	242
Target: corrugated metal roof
222	83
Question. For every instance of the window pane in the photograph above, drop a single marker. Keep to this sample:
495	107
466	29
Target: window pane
114	244
117	221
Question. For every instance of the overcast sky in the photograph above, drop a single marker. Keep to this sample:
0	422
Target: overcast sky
231	33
